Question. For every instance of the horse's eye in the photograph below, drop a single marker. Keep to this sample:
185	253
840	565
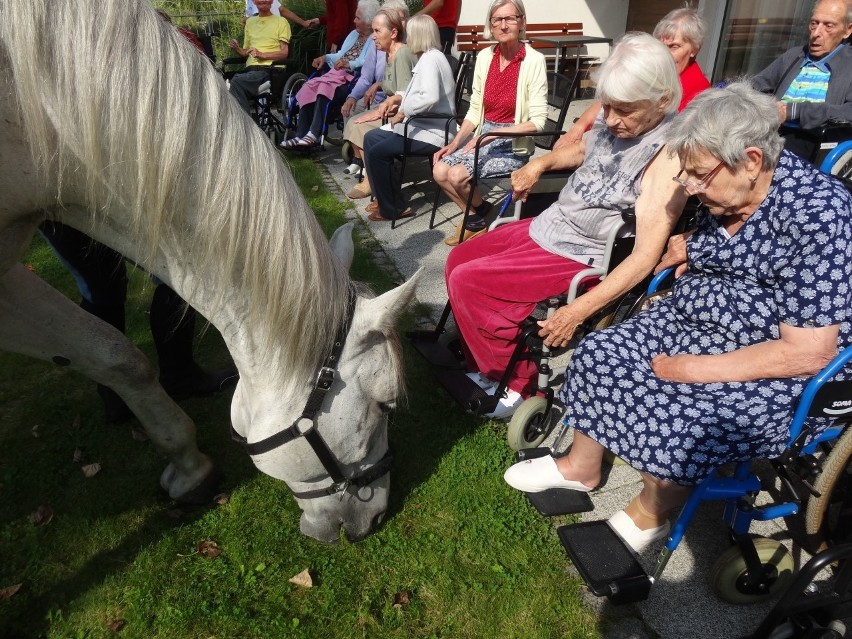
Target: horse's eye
387	407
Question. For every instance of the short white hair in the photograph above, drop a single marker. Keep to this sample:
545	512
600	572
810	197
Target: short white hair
369	9
496	4
687	21
725	122
639	68
423	34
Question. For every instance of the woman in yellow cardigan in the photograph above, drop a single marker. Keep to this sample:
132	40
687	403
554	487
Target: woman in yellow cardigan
509	92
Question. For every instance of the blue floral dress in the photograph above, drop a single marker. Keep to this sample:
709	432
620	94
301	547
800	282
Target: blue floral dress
790	262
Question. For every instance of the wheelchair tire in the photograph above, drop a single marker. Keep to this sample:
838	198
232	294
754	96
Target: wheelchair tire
828	518
530	424
288	98
451	340
840	162
346	152
731	566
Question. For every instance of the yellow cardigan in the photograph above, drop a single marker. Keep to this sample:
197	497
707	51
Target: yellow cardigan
531	104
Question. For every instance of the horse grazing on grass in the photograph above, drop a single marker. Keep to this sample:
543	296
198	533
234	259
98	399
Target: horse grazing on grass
114	124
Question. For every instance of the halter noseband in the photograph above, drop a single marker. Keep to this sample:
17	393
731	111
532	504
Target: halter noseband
305	426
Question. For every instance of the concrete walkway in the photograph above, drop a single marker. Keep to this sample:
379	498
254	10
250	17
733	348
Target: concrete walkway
682	604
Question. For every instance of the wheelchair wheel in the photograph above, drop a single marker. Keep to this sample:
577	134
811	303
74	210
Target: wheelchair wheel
729	569
840	162
451	340
530	424
346	152
828	518
288	98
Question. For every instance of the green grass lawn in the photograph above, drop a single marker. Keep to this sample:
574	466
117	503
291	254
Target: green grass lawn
460	554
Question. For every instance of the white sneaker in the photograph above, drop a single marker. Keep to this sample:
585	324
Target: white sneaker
507	406
353	170
538	474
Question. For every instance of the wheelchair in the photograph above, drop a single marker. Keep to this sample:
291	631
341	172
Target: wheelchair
332	127
265	102
812	476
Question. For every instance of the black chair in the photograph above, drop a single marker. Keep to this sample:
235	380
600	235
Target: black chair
268	95
560	91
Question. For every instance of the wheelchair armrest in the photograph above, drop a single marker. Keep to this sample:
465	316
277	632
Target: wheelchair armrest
803	409
658	280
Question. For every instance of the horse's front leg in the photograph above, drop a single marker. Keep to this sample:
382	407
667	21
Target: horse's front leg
37	320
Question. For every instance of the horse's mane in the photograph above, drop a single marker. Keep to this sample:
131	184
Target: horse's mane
112	96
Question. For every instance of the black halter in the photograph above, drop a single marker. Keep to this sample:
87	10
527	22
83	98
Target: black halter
305	426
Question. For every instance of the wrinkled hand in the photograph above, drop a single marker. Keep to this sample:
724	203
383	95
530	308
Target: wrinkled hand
254	53
675	254
444	150
524	179
313	22
341	64
559	329
370	94
347	107
396	119
369	116
317	63
233	43
672	368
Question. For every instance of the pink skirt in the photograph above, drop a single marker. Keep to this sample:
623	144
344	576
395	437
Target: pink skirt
323	85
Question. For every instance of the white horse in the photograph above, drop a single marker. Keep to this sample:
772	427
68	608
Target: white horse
112	123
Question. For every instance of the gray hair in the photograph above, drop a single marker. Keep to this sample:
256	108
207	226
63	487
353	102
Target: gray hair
423	34
496	4
393	21
639	68
725	122
686	20
399	6
368	9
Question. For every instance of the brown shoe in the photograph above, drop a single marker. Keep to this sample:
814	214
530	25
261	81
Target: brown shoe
377	217
358	192
453	240
372	207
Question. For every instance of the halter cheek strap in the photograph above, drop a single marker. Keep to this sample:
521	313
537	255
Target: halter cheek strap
305	426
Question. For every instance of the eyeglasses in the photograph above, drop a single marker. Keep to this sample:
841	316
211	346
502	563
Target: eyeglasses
495	22
701	186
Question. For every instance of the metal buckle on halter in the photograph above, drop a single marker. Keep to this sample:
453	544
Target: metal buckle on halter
325	378
340	487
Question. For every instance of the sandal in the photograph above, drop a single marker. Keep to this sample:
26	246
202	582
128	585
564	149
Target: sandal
372	207
290	143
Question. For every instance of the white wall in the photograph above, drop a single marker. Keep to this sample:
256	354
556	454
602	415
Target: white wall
606	18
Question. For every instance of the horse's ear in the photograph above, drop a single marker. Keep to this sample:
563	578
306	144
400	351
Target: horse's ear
381	313
342	246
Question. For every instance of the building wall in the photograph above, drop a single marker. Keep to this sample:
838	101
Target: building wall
643	15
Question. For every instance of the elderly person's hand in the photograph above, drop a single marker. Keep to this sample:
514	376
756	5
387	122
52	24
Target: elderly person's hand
347	107
558	330
318	63
341	64
233	43
370	116
524	179
313	22
397	118
675	254
445	150
673	368
370	94
571	136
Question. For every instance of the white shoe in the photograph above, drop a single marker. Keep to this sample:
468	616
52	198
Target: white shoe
353	170
634	536
538	474
507	405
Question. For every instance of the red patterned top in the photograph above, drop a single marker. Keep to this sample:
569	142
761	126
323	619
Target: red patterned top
501	88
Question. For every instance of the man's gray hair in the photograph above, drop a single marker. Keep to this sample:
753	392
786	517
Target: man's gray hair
369	9
725	122
686	20
496	4
639	68
423	34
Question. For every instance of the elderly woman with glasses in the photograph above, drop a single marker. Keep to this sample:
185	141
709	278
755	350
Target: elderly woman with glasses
495	281
710	374
509	92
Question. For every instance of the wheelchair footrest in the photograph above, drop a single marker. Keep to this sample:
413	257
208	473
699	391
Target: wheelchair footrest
609	567
465	391
559	501
436	353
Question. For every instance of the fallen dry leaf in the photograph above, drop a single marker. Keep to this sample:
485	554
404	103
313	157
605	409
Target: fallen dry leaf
9	591
35	431
221	499
90	470
41	516
138	434
30	267
401	599
303	579
116	625
209	548
314	188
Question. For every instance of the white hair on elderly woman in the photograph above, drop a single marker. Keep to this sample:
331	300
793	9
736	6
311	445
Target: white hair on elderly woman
725	122
369	9
423	34
399	6
639	68
687	21
496	4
